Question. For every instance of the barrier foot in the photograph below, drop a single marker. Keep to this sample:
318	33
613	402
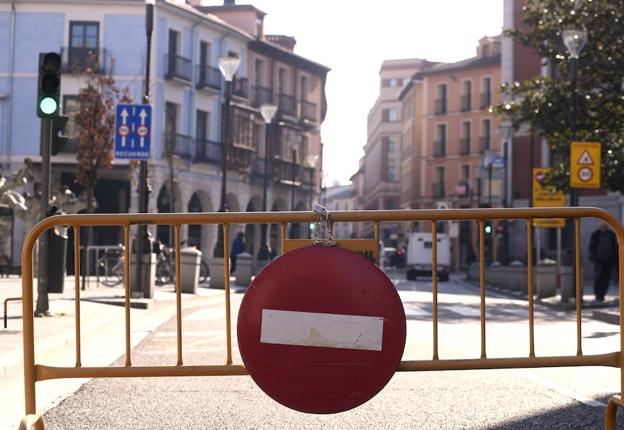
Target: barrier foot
32	422
610	417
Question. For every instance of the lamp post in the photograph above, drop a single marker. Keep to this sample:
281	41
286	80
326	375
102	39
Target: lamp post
574	40
142	239
506	131
268	112
294	227
228	66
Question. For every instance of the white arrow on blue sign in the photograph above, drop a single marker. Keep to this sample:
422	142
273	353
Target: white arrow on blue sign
133	131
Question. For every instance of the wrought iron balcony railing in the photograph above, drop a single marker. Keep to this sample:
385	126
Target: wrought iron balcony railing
464	146
287	105
437	190
208	77
308	111
486	100
465	103
262	95
79	60
207	151
178	67
241	87
439	148
178	145
440	106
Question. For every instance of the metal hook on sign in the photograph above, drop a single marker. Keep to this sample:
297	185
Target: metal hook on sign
326	227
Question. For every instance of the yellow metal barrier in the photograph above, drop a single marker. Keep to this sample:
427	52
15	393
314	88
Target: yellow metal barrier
38	372
6	307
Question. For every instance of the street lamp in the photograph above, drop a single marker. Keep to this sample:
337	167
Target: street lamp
574	40
294	227
507	132
268	112
228	67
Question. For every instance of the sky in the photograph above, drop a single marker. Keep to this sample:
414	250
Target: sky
353	38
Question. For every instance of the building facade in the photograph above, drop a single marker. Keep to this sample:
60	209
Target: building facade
381	168
342	198
187	95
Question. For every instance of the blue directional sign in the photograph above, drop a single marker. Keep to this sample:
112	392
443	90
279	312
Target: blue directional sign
133	131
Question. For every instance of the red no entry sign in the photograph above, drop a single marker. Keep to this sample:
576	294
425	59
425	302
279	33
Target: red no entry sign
321	330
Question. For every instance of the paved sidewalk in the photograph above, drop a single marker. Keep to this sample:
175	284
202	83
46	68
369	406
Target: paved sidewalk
102	336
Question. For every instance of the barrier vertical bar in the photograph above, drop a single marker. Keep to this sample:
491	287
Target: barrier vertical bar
482	283
282	237
434	283
226	279
530	277
77	290
377	236
127	289
28	325
579	285
178	275
620	238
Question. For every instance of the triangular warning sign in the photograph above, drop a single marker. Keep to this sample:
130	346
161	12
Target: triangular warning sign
585	159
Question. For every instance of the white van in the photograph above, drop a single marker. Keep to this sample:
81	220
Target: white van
419	258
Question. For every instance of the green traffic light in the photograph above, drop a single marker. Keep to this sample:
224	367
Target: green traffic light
48	105
488	229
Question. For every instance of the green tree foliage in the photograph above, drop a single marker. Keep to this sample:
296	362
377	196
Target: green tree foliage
544	104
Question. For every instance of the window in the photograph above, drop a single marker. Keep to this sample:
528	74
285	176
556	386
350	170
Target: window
485	135
83	44
440	101
304	88
466	130
487	85
204	54
243	130
394	82
201	126
465	172
466	97
174	38
282	85
259	75
440	143
390	115
171	119
464	143
467	88
390	148
486	92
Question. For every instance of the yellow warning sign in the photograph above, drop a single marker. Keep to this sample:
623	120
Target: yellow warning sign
546	197
585	165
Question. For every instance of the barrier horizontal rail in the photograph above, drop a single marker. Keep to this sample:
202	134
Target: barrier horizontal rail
38	372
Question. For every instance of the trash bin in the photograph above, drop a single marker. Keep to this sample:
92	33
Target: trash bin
190	259
244	269
57	254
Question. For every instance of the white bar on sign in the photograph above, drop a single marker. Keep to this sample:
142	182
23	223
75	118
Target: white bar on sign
320	329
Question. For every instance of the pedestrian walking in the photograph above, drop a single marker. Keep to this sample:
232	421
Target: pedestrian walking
603	252
238	247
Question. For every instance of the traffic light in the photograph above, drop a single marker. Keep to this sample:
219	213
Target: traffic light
49	85
58	134
487	227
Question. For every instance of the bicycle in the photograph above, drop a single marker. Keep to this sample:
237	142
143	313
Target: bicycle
111	263
165	267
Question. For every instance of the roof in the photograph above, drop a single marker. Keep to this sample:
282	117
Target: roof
235	7
469	63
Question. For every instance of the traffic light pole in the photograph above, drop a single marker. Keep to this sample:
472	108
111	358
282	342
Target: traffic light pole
142	240
43	305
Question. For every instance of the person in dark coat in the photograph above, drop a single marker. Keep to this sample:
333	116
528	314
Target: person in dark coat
603	252
238	247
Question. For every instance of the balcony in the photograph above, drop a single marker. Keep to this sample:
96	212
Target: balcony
308	111
464	146
439	148
465	104
178	68
440	106
282	171
262	95
287	106
241	88
437	190
484	143
486	100
80	60
207	151
209	77
240	158
178	145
